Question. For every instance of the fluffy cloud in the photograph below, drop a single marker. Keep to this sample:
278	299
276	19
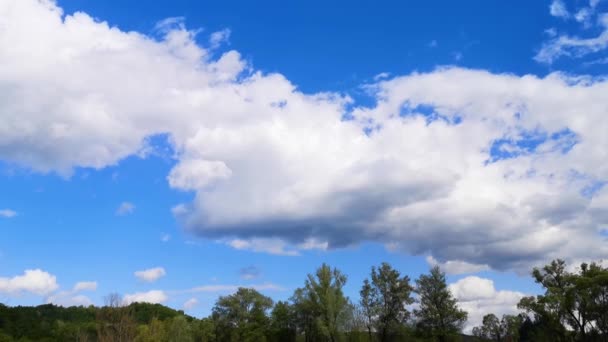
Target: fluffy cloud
153	296
7	213
469	167
36	281
151	275
479	297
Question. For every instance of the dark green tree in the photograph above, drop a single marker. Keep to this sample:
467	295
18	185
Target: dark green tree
438	315
283	324
505	329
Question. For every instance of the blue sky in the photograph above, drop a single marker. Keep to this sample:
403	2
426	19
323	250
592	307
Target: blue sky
218	144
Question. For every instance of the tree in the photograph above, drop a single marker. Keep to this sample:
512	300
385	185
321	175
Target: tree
242	316
385	301
505	329
282	322
491	328
368	306
438	315
115	321
572	301
204	330
322	304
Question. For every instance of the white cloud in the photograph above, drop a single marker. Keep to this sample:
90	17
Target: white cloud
219	37
7	213
272	168
190	304
35	281
153	296
125	208
558	9
151	274
457	266
270	246
574	46
479	297
165	237
85	286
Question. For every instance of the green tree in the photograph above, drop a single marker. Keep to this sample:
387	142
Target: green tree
242	316
282	322
572	301
322	304
505	329
384	301
179	330
438	315
204	330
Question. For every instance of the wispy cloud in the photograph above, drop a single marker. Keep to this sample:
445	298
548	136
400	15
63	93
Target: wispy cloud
7	213
125	208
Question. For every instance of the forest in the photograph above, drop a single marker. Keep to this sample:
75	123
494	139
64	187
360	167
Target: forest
391	307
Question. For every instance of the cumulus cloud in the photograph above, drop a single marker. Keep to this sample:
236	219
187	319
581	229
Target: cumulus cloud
125	208
35	281
8	213
151	274
69	299
153	296
466	166
479	297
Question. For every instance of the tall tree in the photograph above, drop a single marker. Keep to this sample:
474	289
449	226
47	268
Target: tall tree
438	314
322	302
385	300
242	316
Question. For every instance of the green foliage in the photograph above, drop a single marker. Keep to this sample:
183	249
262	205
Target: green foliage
574	305
505	329
384	301
322	304
438	315
573	308
242	316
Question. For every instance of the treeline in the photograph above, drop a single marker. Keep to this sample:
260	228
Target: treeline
574	307
391	307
